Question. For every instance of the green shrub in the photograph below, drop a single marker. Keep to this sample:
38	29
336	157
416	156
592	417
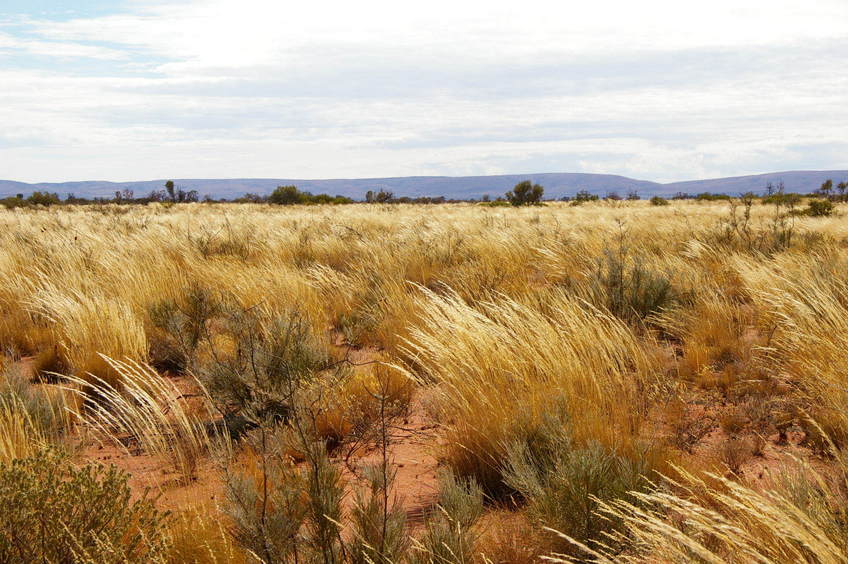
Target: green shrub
379	522
266	520
628	289
449	535
584	196
290	195
269	364
658	201
43	199
280	510
710	197
11	203
179	328
53	512
820	208
525	194
563	483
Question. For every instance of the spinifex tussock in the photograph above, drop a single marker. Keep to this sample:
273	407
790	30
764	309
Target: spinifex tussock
501	366
151	411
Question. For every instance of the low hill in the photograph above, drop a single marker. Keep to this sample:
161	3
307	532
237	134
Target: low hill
459	187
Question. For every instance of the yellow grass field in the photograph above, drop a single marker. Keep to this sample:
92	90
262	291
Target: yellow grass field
610	382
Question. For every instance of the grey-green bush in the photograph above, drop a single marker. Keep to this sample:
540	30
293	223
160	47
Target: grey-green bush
562	483
51	511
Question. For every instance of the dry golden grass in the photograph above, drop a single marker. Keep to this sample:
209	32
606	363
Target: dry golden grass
149	411
502	314
502	366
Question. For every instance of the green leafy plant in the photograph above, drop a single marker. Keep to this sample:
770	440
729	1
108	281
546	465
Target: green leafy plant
51	511
564	483
820	208
450	535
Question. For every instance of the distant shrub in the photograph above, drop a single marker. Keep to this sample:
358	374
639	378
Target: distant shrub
13	202
290	195
583	196
820	208
379	197
525	194
35	199
286	196
51	511
710	197
782	198
659	201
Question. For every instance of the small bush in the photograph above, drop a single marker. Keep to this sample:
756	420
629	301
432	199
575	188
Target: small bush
379	521
563	483
628	289
178	328
53	512
450	534
269	364
820	208
279	510
736	452
267	509
659	201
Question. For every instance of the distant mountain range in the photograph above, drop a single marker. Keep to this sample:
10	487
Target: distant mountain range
459	187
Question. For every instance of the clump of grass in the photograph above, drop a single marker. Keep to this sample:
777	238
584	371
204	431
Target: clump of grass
450	534
714	519
31	417
150	410
89	326
809	319
735	452
501	366
199	534
717	346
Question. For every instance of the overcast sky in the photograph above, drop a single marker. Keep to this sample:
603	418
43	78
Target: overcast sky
654	89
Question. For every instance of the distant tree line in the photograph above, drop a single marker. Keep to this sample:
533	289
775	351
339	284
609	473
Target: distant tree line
525	193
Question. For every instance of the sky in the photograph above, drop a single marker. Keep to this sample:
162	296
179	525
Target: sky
655	89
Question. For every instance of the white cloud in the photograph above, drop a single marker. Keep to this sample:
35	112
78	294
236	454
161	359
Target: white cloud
10	44
656	89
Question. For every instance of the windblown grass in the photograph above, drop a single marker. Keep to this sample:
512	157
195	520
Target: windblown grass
589	316
502	366
150	411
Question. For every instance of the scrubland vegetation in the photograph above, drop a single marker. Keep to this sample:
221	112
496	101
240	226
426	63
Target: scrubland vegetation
615	381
